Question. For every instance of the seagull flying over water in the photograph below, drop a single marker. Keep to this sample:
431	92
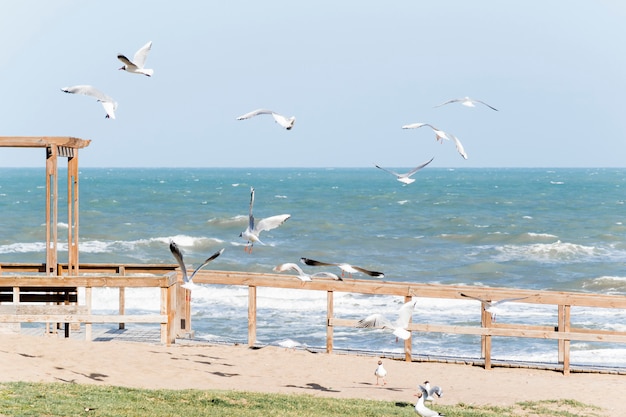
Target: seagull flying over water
285	122
440	135
108	103
492	306
399	327
406	178
467	102
345	268
178	255
136	66
251	234
302	275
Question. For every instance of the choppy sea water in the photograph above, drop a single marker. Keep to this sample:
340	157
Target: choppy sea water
547	229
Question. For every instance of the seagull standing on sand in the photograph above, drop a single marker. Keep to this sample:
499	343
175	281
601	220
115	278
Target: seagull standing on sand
380	372
406	178
399	327
136	66
436	390
302	275
345	268
251	234
420	408
188	280
440	135
467	102
492	306
108	103
285	122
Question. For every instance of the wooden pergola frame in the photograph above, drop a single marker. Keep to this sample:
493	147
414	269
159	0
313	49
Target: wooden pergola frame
56	146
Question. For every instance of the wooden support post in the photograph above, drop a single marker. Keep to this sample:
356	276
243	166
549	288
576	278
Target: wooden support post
408	344
51	209
564	344
330	313
88	327
72	213
121	298
251	315
486	342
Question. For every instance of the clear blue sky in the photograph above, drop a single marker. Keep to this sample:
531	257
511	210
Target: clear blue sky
352	72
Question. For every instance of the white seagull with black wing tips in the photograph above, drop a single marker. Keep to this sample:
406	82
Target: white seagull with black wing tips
178	255
406	177
467	102
399	327
108	103
345	268
136	66
285	122
251	234
303	276
420	408
492	307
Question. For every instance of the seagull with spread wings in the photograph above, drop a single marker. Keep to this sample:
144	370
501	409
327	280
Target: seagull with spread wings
467	102
399	327
136	66
406	177
285	122
108	103
492	307
254	229
345	268
303	276
178	255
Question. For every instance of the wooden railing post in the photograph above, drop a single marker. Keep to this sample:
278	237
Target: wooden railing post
122	298
408	344
564	326
486	339
330	313
251	315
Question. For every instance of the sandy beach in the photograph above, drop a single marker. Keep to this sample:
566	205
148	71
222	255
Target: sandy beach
274	369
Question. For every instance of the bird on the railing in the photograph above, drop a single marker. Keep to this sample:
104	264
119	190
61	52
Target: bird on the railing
303	276
252	232
345	268
492	307
178	255
380	373
420	407
398	327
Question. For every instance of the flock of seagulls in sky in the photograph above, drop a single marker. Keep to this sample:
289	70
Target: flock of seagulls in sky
137	66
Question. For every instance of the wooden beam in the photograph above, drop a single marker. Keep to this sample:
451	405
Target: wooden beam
251	315
330	313
42	142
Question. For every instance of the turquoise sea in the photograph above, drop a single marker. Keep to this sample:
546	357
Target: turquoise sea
548	229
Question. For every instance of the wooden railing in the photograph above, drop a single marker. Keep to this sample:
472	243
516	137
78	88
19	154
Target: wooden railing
50	310
562	331
175	310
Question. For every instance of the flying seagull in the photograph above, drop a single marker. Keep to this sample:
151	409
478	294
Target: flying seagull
420	408
467	102
345	268
430	391
302	275
136	66
251	234
406	178
380	372
440	135
398	327
492	307
285	122
188	280
108	103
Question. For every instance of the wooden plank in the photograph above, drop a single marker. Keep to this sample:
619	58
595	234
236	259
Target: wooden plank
38	309
42	141
82	318
114	281
408	344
